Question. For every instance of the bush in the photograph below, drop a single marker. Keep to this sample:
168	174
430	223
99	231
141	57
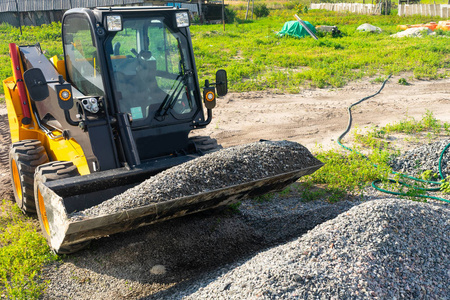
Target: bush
196	19
261	10
304	3
302	8
230	15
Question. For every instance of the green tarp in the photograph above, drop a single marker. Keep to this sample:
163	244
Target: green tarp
295	29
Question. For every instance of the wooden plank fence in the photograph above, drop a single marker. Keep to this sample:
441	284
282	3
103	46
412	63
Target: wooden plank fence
357	8
38	12
434	10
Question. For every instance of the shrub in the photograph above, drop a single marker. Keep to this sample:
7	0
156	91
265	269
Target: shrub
230	15
261	11
302	8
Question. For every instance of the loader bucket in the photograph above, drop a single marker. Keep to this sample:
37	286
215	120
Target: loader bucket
63	197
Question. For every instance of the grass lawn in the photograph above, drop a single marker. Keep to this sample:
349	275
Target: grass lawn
256	58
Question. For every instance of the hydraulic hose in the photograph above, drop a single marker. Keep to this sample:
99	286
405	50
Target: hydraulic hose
375	182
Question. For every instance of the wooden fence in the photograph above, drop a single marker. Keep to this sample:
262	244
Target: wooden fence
434	10
438	10
358	8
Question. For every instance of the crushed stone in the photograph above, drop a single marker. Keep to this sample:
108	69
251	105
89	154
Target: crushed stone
420	159
384	249
230	166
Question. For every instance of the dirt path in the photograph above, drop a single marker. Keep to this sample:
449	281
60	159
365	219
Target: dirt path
137	264
319	116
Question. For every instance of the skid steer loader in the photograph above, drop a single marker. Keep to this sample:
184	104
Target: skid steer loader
115	111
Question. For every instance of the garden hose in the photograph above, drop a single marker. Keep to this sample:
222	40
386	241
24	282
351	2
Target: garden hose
375	182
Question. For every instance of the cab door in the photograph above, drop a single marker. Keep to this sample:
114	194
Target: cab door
81	58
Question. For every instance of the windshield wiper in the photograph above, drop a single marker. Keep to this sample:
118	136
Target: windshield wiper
169	100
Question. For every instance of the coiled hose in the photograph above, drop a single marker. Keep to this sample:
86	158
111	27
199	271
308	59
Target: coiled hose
377	181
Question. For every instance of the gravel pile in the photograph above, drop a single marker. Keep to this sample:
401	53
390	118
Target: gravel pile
386	249
231	166
423	158
122	266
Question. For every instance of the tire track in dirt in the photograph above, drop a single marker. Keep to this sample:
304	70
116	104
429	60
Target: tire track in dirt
6	191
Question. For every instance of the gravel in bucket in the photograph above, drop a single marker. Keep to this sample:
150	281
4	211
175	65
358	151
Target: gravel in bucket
230	166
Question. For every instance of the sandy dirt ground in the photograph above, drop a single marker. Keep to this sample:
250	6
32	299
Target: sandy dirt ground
123	266
319	116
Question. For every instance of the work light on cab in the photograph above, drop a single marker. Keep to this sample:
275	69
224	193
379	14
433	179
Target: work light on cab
114	23
182	19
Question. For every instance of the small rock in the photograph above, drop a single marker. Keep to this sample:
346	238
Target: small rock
158	270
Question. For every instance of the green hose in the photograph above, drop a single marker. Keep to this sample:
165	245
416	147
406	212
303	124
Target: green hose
440	161
375	182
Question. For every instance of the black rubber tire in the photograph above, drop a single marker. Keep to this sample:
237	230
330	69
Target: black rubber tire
48	172
205	143
24	157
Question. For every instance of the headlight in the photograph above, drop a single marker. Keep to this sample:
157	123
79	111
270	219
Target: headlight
114	23
182	19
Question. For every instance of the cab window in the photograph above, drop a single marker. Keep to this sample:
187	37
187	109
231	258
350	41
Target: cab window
151	76
81	59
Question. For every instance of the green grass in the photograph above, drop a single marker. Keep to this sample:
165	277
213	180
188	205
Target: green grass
256	59
23	252
409	125
349	172
427	128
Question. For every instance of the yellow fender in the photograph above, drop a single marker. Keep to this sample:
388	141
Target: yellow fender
58	148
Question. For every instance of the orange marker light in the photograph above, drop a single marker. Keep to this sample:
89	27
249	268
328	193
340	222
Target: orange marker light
65	94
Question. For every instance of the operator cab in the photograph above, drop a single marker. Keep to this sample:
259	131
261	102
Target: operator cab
139	62
132	93
147	60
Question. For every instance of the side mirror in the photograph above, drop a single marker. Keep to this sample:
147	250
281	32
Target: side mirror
36	84
221	83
